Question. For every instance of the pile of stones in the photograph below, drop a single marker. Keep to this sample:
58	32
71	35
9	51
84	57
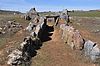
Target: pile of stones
30	44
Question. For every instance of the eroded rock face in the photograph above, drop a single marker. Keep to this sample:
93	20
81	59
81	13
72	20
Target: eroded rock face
91	50
72	37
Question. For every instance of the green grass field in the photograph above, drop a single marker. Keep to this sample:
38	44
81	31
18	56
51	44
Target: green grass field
85	13
77	13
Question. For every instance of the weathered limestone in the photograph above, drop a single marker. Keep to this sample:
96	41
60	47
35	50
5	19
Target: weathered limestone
92	50
30	44
30	27
65	11
10	27
72	37
33	34
36	24
32	14
26	52
36	29
65	16
15	57
77	39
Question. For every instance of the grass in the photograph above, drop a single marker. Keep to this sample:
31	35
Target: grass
8	17
87	27
76	13
2	41
44	57
85	13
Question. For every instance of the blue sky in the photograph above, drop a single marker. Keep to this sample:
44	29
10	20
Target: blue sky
49	5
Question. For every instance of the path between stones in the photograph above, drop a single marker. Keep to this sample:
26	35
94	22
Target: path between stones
56	53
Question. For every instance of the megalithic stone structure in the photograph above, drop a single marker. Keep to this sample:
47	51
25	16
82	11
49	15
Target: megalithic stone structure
31	14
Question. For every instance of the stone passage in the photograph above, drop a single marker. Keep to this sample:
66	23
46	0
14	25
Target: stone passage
56	53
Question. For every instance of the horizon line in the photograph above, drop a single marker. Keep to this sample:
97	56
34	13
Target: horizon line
49	10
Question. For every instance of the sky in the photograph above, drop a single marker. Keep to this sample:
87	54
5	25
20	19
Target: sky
49	5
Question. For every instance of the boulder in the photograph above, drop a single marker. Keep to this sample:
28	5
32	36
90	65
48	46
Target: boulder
72	37
30	27
15	57
37	30
31	14
65	11
33	34
29	45
78	40
92	50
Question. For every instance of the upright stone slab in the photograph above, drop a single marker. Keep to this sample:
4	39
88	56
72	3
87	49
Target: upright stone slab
31	14
91	50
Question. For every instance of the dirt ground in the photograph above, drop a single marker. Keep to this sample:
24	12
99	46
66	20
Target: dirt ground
53	52
56	53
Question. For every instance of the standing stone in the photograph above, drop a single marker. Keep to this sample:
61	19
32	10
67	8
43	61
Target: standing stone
65	16
91	50
65	11
31	14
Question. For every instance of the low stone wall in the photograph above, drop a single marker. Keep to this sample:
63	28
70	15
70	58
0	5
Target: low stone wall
30	44
73	38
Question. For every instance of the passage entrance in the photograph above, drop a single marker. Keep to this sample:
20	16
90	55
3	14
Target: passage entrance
54	19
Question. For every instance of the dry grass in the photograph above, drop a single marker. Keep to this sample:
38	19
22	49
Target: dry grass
54	52
13	40
87	26
85	13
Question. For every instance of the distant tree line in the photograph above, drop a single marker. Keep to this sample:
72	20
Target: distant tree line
9	12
